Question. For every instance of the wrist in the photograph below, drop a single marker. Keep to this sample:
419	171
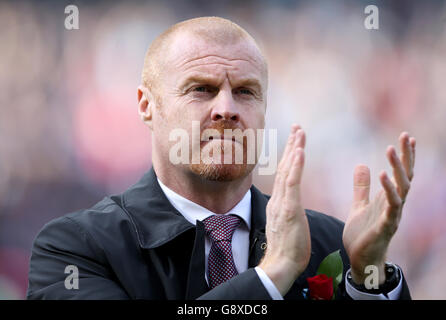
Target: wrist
360	274
282	274
392	279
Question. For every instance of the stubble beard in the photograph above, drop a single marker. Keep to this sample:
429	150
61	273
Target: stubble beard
221	171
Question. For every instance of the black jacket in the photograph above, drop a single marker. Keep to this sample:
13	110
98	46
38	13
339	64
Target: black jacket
138	246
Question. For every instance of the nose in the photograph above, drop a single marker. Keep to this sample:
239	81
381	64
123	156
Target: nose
225	108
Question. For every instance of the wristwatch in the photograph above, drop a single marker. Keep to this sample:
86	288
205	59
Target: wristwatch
392	280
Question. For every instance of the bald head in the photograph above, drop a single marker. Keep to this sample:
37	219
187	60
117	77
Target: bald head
213	30
207	71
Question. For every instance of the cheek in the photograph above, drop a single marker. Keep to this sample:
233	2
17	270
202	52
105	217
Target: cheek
174	122
185	109
255	117
194	111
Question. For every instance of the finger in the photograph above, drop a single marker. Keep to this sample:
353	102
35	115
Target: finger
284	164
288	146
361	185
413	143
393	199
289	154
393	213
292	192
300	139
407	156
299	153
399	173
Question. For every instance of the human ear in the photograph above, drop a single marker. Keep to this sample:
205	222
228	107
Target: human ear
145	105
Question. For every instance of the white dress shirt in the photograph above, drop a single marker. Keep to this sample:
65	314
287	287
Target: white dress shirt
240	241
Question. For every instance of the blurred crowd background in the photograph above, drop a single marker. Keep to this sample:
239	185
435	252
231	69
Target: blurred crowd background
70	133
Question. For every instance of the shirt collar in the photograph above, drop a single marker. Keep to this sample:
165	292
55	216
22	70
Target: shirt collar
193	212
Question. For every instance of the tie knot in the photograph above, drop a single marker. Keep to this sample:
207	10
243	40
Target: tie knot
221	227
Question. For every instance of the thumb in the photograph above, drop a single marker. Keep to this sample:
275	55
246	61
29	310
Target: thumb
361	185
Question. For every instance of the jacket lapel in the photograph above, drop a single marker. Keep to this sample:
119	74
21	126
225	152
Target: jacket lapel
257	238
196	282
155	219
157	223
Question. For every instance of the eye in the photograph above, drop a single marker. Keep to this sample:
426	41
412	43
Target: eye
200	89
244	91
204	89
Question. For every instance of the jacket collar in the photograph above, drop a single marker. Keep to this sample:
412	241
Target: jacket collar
193	211
157	222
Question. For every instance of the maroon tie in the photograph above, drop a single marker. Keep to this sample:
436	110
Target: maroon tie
220	229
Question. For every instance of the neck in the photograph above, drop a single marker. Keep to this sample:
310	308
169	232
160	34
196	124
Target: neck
216	196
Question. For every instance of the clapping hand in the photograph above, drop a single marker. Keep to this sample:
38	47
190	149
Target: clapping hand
372	224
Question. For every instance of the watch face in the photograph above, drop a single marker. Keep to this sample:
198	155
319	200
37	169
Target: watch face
392	274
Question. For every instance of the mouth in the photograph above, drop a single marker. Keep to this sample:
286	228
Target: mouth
222	138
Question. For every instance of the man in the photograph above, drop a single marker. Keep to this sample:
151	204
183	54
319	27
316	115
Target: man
201	230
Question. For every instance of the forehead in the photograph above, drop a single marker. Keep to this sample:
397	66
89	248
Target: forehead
189	53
